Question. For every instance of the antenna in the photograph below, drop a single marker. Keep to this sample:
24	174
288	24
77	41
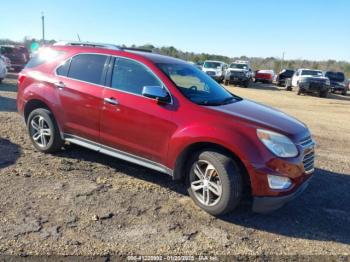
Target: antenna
78	37
43	25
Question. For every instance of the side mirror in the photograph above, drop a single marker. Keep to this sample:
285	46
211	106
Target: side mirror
156	92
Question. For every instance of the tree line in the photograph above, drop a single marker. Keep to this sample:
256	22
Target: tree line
256	62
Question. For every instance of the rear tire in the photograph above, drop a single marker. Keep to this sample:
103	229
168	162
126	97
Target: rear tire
344	92
43	131
214	181
226	82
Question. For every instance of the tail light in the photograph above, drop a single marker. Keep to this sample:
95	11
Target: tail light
21	78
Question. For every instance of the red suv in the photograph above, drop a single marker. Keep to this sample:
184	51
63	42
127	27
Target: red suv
167	115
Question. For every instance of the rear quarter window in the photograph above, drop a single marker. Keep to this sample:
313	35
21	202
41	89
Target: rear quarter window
44	56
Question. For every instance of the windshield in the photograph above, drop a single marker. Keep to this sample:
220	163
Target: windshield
197	86
338	77
311	73
288	73
239	66
211	65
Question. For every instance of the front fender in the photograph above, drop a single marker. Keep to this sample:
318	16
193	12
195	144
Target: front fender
241	142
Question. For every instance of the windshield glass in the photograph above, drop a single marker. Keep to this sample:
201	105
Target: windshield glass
197	86
211	65
339	76
239	66
311	73
288	73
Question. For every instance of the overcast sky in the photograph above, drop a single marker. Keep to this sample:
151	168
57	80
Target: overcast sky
317	30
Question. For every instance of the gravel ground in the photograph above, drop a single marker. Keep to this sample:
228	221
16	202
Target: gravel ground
78	202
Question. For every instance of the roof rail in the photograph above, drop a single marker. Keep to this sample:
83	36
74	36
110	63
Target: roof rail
88	44
136	49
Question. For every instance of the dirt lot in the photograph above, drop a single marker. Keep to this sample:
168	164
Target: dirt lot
79	202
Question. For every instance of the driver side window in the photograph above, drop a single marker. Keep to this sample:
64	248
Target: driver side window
131	76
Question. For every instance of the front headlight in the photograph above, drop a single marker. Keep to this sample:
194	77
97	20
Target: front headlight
278	144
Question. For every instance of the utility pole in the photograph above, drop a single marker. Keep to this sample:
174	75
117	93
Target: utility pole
43	26
282	60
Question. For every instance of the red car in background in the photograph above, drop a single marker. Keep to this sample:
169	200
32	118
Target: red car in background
264	76
167	115
18	55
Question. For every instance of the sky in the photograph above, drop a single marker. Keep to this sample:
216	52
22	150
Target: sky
303	29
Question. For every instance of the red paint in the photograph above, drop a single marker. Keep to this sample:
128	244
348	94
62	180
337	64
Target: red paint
161	132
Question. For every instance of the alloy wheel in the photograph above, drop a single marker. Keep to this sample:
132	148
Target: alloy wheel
40	131
205	183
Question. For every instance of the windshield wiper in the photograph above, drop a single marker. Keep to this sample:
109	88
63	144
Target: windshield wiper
217	103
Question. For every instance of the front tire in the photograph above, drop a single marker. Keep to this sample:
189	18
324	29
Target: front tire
323	94
43	131
214	182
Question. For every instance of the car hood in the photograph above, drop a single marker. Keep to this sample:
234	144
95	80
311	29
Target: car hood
261	116
237	70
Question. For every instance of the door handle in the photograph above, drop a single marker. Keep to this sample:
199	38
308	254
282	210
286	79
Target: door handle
111	101
60	85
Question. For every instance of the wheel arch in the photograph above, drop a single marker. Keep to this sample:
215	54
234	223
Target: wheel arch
35	104
182	159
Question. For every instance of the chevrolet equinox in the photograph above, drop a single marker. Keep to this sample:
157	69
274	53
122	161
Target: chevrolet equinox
167	115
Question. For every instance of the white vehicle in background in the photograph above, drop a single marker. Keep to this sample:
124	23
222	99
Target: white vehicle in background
3	69
6	61
239	72
215	69
310	81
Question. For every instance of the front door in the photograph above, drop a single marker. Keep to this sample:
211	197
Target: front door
131	122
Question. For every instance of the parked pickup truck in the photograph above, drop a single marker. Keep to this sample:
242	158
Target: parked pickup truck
337	81
239	72
310	81
215	69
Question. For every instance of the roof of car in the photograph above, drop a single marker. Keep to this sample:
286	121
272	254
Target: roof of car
153	57
215	61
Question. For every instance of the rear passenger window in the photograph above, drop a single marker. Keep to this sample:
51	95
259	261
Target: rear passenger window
131	76
63	69
87	67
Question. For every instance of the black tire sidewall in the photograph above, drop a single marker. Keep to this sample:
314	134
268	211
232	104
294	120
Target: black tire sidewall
55	137
230	177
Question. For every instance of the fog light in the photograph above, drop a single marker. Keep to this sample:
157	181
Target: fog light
279	182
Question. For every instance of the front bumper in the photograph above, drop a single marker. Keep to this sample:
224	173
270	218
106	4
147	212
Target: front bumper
269	204
314	86
237	79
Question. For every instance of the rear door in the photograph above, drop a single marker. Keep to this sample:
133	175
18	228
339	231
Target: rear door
131	122
80	87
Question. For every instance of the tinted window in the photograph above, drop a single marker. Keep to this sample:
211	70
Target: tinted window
43	56
196	85
211	65
131	76
63	69
87	67
338	77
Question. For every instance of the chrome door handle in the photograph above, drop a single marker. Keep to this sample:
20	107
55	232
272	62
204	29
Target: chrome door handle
111	101
60	85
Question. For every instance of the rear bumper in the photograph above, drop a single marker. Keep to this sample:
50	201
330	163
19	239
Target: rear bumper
269	204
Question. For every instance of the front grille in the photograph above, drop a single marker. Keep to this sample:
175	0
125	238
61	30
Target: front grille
309	154
306	141
237	74
211	73
309	161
